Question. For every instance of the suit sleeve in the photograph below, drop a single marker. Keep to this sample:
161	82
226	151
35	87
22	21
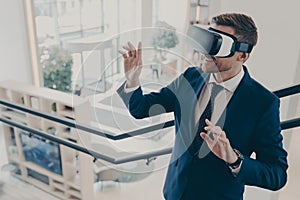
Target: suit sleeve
145	105
268	170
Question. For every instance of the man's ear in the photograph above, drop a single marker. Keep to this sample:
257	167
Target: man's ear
243	56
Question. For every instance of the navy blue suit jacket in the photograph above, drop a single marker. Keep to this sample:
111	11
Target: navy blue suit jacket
251	122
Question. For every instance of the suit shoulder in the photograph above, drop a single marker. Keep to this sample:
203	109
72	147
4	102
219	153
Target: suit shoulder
263	93
192	72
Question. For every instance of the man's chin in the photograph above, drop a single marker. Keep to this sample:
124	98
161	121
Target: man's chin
209	68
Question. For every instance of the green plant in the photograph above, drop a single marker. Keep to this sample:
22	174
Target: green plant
53	107
165	37
56	65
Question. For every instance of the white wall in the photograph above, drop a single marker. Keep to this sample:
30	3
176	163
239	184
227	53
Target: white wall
14	51
275	57
174	14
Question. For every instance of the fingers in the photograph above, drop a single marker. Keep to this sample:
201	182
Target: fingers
208	122
131	50
216	131
139	54
132	57
211	128
124	54
219	144
206	138
126	48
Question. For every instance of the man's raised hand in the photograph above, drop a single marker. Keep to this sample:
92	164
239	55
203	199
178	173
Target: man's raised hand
132	63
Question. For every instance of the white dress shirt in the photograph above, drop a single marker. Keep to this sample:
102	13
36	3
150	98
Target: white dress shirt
221	101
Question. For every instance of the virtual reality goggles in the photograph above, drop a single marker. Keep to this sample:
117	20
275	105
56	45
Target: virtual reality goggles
217	43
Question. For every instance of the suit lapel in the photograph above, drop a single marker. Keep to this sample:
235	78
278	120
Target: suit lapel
236	104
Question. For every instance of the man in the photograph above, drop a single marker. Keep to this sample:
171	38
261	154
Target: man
243	119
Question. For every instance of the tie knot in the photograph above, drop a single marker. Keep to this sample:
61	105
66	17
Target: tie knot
215	91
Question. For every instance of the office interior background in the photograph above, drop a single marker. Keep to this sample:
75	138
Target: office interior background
83	36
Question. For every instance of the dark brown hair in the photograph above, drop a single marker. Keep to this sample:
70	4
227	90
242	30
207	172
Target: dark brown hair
244	26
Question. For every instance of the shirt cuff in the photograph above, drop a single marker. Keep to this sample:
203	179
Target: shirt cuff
236	171
128	90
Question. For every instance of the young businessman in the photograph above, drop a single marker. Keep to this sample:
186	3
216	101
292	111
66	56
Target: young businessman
216	131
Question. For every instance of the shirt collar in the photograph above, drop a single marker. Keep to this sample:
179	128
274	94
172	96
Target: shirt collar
230	84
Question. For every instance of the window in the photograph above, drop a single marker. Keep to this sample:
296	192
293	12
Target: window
65	37
61	32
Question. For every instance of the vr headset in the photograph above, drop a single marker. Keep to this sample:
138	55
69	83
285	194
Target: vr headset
217	43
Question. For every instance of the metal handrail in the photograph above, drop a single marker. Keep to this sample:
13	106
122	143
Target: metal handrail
288	124
73	145
74	124
288	91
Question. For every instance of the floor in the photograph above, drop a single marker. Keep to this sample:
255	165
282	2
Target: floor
147	189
